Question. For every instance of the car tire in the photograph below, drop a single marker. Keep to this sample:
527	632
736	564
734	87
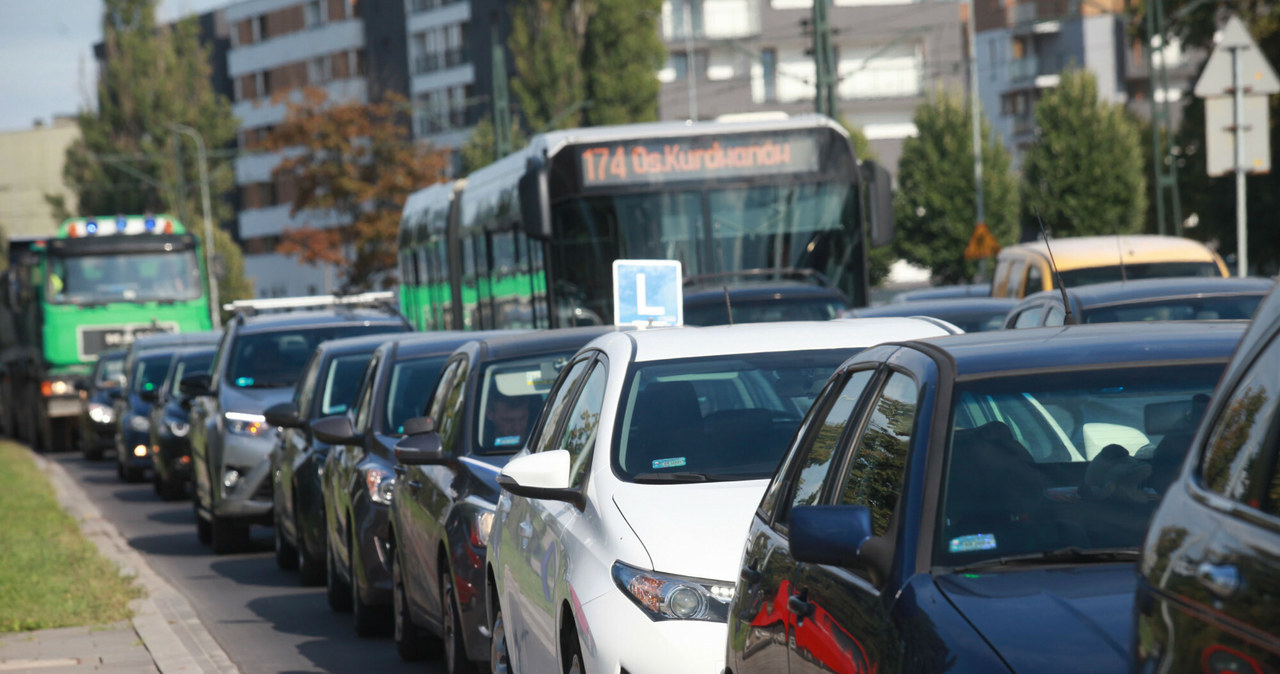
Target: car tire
412	642
499	655
338	591
228	535
455	648
286	553
171	489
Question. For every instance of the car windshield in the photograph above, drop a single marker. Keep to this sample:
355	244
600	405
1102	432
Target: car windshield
276	359
1045	462
717	417
1221	307
511	395
110	371
1072	278
83	279
149	372
186	367
340	382
780	309
408	390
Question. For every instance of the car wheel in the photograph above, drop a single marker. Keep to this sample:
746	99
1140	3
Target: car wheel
412	642
171	489
455	649
574	666
370	621
203	531
339	593
228	535
286	554
311	569
499	656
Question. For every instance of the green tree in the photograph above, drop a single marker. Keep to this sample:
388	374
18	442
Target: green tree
935	207
478	151
1084	173
126	160
621	53
546	46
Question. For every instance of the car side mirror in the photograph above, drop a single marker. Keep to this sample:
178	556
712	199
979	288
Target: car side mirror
422	448
196	385
284	414
833	535
149	395
419	425
335	430
544	475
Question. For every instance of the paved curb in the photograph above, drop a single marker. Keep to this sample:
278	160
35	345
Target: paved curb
163	618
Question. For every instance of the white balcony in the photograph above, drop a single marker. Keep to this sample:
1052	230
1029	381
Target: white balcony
273	220
300	46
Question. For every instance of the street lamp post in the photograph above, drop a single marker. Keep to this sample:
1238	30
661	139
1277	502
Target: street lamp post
214	309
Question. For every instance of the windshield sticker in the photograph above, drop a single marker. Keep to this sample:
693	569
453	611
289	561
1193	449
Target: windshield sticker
244	382
506	441
668	463
973	543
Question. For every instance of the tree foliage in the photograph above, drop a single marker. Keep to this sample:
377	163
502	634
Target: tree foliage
129	159
357	162
479	148
1085	171
935	207
546	43
621	53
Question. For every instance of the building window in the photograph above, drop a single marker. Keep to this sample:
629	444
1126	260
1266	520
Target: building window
318	71
315	14
769	66
686	18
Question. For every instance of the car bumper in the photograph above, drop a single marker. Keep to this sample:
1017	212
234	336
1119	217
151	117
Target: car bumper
615	635
174	457
250	496
101	435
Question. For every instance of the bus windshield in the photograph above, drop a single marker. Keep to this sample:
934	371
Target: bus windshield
95	279
799	225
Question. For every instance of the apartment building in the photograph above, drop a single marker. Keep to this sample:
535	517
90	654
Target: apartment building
745	56
32	168
355	51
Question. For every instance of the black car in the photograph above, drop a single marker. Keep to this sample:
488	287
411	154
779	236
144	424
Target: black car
258	364
328	386
971	314
97	416
489	396
1155	299
759	296
145	366
1210	566
360	469
170	412
971	503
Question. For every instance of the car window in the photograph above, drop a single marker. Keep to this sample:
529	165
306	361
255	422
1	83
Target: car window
186	367
1035	279
149	373
556	409
1055	316
435	408
1030	317
305	391
583	423
109	369
452	406
276	359
511	394
779	480
362	395
410	384
822	450
1240	437
877	469
342	378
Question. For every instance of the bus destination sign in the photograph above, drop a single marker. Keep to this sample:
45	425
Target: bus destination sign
653	161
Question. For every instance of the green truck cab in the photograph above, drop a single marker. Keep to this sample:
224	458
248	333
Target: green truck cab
97	284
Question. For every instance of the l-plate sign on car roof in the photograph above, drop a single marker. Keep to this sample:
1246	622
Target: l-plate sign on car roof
647	293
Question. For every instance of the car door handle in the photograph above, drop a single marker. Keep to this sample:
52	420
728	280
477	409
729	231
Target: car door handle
799	604
1221	579
750	575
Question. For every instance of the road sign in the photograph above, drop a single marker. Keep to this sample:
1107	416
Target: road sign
982	244
647	293
1220	137
1257	77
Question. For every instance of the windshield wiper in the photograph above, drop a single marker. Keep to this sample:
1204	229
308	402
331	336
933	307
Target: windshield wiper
1070	555
672	478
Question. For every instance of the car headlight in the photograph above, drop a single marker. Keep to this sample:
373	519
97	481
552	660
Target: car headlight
379	482
178	429
481	525
100	413
139	423
666	597
246	424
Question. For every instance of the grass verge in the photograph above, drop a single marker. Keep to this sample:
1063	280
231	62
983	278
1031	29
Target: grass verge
50	574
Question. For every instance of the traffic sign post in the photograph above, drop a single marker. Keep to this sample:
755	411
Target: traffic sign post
647	293
1236	81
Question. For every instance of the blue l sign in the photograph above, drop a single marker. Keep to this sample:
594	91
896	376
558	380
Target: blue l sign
647	293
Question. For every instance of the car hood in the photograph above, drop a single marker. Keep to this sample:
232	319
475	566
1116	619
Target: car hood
691	529
1051	620
253	400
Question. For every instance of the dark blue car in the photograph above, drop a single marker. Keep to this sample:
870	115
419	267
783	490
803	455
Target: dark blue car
972	503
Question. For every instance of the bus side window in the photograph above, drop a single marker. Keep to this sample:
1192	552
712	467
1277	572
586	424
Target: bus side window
1035	279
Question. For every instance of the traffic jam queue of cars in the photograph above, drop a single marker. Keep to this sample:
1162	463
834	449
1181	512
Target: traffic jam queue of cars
874	494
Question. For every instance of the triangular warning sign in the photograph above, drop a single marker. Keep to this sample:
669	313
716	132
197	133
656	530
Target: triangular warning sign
1258	78
981	244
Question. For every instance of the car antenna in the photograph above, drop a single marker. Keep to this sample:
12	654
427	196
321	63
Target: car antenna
728	308
1068	318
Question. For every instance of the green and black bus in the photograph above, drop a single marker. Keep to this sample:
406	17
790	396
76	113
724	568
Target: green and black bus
529	241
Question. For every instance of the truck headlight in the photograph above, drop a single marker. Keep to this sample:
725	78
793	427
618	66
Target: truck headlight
246	424
666	597
139	423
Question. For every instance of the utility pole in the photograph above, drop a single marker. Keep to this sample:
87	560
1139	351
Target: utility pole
1164	167
214	308
824	58
980	215
501	105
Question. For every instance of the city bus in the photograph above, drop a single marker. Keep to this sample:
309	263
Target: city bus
529	241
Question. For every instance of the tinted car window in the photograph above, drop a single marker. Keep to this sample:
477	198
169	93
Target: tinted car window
1180	309
363	411
110	369
412	382
341	382
556	408
511	394
879	461
782	309
276	359
1030	317
185	368
1079	277
1239	437
583	422
149	373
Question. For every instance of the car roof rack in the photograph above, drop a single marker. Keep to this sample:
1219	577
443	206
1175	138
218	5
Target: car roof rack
761	274
380	300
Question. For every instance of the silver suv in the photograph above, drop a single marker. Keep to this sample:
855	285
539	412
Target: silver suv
257	364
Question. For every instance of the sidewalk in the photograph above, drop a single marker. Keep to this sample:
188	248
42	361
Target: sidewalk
165	634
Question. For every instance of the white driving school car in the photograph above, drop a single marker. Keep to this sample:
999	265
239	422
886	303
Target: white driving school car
616	542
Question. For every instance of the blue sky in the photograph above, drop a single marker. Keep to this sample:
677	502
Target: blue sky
47	49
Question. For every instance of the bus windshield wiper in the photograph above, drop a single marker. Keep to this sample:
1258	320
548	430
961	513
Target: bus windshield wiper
1073	555
660	478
